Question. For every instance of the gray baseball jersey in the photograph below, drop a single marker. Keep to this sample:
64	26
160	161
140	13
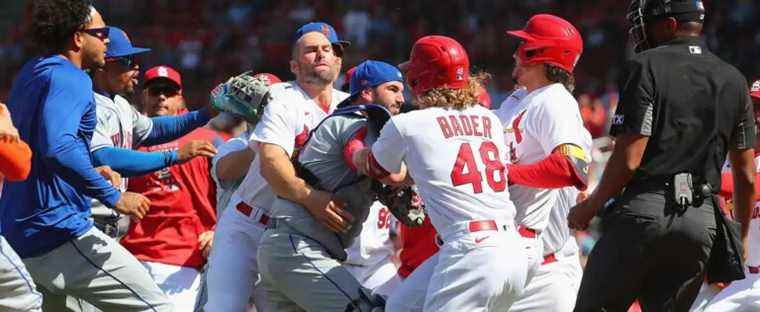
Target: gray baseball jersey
323	157
119	125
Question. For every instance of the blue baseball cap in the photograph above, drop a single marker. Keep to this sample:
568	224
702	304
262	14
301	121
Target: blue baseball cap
323	28
120	45
370	74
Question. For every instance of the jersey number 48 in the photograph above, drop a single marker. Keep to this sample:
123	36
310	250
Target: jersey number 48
494	168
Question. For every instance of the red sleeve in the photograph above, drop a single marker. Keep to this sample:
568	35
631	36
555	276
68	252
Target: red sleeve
727	185
354	144
15	158
554	171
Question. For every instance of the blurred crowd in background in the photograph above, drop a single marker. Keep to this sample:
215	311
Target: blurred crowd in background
209	41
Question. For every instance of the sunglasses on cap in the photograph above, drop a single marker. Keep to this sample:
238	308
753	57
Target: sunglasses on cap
126	61
100	33
166	89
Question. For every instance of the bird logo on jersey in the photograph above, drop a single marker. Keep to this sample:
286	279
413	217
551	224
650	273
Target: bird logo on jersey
517	134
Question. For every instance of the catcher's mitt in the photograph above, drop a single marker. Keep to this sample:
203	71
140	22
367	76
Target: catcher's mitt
242	95
404	203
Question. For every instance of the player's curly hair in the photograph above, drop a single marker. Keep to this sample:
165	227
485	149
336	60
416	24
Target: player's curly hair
556	74
54	21
458	99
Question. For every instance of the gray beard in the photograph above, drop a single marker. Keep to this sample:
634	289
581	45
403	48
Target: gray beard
316	79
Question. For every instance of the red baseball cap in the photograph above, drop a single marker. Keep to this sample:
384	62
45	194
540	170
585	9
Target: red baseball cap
754	90
165	72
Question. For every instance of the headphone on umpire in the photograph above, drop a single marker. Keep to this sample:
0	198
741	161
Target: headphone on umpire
642	11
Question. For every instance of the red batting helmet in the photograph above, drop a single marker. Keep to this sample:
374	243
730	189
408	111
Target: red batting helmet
549	39
437	62
754	90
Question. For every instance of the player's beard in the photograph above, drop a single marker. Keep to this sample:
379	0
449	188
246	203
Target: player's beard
322	78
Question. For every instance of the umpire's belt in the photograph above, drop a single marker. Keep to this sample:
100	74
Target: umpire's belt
256	214
665	183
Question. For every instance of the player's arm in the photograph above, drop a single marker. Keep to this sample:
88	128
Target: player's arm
65	107
625	160
233	160
741	155
567	165
277	169
169	128
130	163
356	155
385	159
635	117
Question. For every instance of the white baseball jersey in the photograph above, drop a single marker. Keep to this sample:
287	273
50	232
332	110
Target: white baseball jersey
373	244
455	157
534	125
119	125
286	122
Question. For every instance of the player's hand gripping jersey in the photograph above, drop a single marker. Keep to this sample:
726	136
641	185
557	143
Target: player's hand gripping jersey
323	164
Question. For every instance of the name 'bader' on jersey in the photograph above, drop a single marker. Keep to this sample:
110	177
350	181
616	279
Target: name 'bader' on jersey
461	125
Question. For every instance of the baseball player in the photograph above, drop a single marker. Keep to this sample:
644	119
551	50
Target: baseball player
369	257
120	128
741	295
294	109
549	152
17	287
47	220
233	158
419	243
174	238
327	162
455	153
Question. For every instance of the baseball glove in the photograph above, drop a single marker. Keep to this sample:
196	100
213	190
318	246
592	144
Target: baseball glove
403	203
242	95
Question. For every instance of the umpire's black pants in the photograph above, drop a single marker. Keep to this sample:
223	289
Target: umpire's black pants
648	251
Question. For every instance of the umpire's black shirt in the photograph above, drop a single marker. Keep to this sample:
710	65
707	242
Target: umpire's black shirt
691	105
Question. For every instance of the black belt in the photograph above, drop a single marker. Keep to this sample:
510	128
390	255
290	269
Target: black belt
700	190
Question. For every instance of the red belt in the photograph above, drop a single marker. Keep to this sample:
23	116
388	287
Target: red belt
488	225
550	258
527	232
754	269
246	210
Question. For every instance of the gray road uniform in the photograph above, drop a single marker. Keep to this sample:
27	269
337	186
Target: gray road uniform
299	258
119	125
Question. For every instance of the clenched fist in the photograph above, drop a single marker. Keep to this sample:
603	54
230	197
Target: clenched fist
133	204
194	149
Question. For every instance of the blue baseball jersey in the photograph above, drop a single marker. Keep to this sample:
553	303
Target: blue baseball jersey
53	107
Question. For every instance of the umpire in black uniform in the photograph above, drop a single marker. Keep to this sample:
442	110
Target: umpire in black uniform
681	111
